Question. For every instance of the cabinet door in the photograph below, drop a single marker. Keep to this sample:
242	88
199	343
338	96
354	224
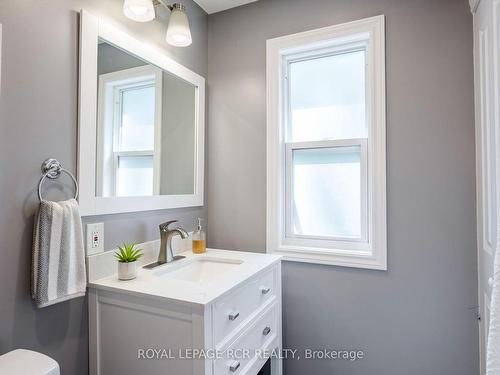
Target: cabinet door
486	39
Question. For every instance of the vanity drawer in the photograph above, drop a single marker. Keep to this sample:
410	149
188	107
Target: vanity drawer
241	355
233	310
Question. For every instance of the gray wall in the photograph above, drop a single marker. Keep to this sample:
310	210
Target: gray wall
111	59
416	318
412	319
178	137
38	119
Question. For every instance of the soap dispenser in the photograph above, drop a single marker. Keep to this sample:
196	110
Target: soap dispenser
199	239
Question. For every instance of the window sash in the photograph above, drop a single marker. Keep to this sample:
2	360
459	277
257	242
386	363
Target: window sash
131	79
118	109
312	54
117	130
331	242
289	237
116	164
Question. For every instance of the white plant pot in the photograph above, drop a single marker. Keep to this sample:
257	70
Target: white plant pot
127	271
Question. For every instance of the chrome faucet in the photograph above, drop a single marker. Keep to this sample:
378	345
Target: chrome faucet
166	235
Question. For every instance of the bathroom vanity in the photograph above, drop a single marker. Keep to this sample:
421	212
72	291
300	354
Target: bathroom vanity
215	313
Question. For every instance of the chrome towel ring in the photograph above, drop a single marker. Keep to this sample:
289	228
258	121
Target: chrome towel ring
51	168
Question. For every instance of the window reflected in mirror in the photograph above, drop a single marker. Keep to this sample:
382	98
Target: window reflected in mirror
146	133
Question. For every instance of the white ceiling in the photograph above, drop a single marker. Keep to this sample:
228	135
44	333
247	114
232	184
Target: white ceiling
214	6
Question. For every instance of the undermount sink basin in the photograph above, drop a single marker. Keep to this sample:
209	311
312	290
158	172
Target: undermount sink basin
200	270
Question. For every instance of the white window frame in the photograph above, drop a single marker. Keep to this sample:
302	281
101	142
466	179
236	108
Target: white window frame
369	251
111	87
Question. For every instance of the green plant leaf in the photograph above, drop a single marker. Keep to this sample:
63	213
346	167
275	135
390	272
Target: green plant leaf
128	253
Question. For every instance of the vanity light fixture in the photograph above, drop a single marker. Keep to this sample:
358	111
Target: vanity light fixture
178	31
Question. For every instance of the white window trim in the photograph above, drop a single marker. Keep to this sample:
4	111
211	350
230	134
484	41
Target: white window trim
110	86
372	253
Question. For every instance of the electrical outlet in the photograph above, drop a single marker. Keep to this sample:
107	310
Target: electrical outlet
95	238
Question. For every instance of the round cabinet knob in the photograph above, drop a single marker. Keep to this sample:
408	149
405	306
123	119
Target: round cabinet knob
490	281
266	331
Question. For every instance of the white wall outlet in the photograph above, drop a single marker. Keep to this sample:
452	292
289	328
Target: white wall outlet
95	238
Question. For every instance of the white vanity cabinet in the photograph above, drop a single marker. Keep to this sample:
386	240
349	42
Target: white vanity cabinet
235	320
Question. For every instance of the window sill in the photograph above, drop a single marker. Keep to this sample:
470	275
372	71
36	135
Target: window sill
332	257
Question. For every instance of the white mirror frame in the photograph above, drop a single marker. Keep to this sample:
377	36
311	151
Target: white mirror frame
91	29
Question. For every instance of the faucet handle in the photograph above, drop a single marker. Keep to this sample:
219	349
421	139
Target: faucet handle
164	226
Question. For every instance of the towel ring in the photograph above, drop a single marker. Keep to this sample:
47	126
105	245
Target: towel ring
51	168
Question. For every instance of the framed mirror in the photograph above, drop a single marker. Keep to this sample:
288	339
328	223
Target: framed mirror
141	125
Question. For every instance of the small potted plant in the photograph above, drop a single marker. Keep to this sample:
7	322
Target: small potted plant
127	256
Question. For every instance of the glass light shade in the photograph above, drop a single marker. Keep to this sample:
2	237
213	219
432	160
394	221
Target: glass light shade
178	32
139	10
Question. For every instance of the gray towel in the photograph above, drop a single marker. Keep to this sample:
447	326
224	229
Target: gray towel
58	262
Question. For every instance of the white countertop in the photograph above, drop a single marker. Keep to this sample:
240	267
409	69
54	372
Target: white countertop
149	284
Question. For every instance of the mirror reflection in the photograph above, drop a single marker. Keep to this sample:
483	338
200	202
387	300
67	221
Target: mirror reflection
146	134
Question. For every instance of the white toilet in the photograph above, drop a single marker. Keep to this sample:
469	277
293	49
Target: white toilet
27	362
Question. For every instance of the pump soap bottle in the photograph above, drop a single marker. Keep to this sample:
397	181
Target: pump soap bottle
199	239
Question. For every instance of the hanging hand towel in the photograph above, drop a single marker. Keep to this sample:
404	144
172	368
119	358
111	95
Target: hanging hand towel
58	262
